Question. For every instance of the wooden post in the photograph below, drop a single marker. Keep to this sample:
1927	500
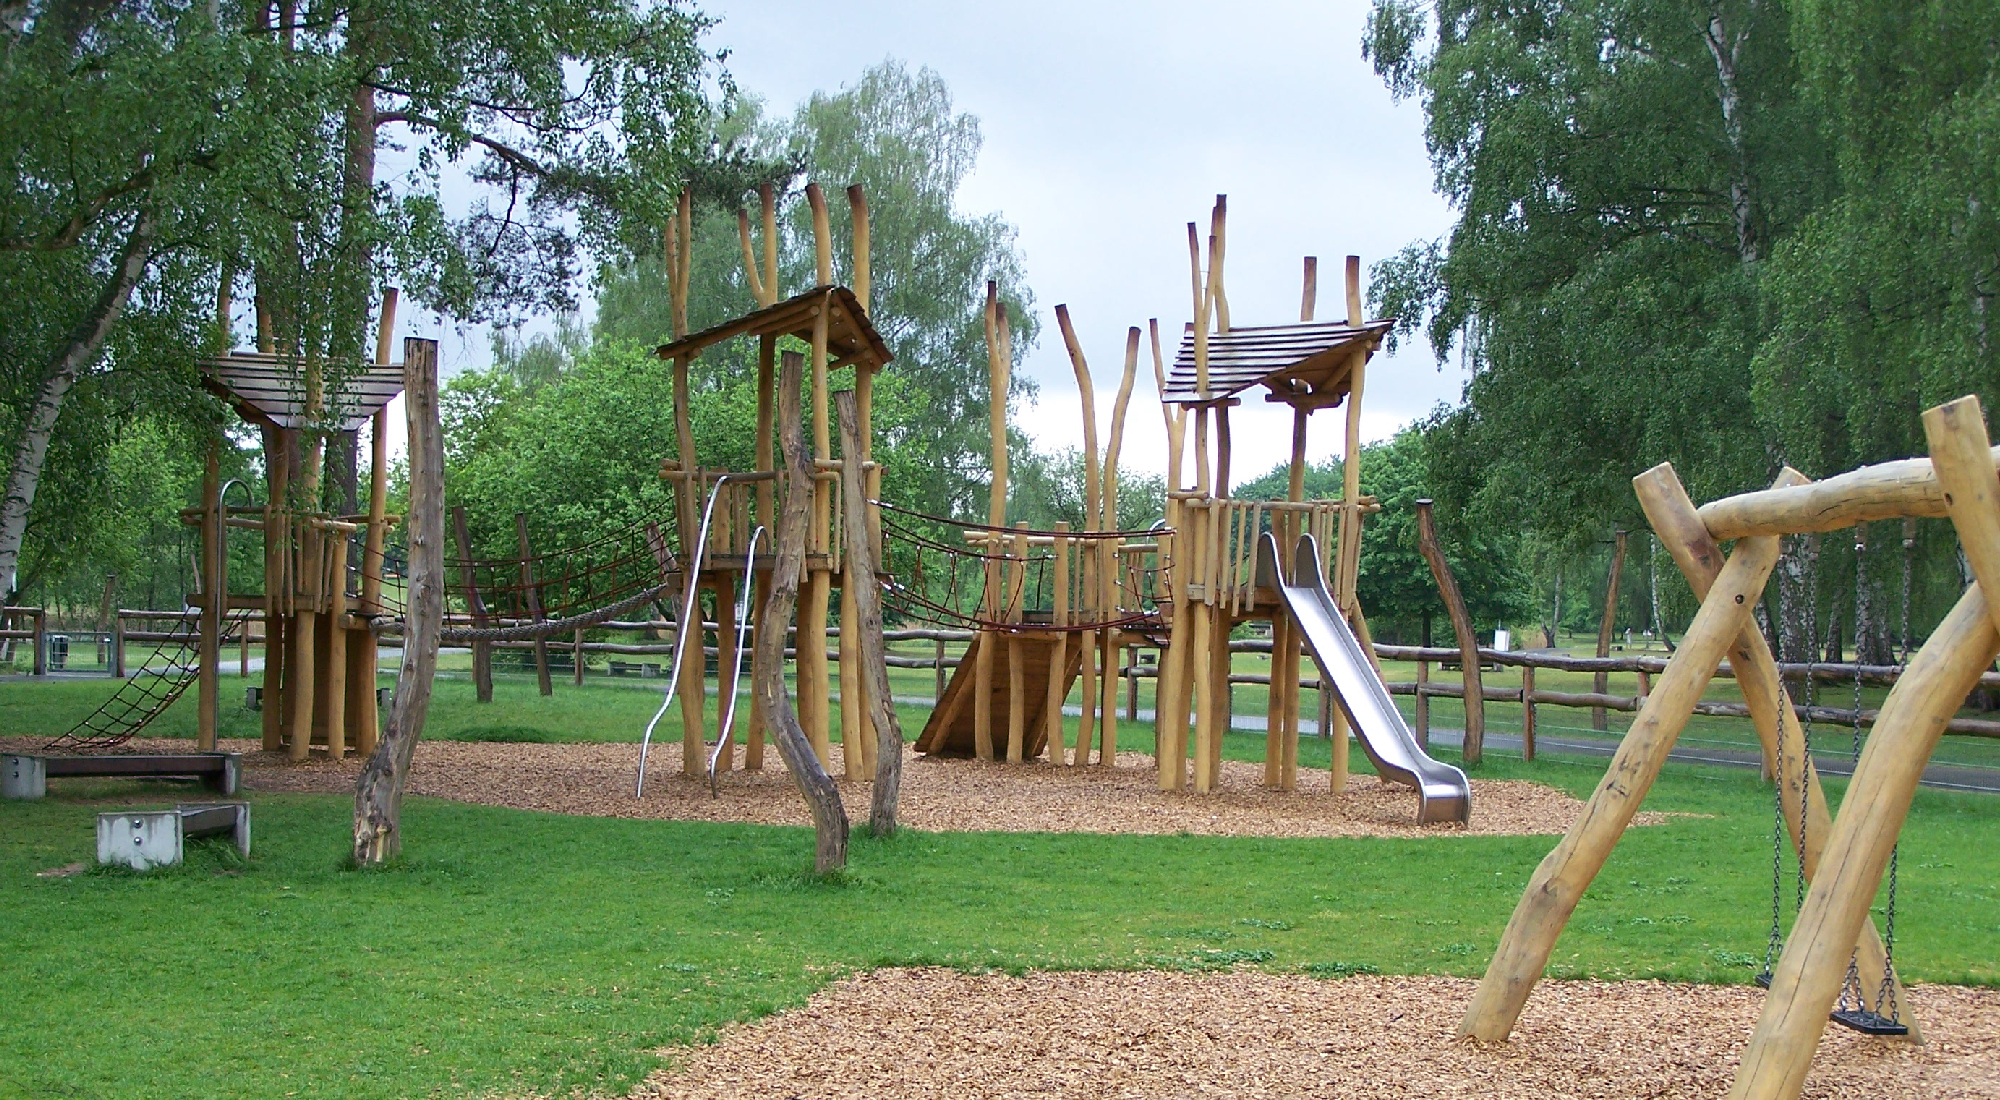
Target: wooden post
1107	550
482	652
363	652
1059	617
815	679
815	786
1086	725
1528	712
767	351
1602	681
576	660
277	623
937	665
888	754
1558	884
335	628
532	596
378	796
215	600
1461	624
856	734
300	689
104	610
1017	687
1169	713
1681	531
1423	704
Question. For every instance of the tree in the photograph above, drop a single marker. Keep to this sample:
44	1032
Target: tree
1395	587
896	134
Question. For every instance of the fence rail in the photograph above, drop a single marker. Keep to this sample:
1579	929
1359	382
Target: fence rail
941	662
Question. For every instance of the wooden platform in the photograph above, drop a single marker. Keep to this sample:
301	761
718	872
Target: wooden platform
949	731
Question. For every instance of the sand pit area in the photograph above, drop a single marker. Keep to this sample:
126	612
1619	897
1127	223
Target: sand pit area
892	1034
937	795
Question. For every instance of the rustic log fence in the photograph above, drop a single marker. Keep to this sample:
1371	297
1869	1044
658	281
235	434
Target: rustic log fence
941	661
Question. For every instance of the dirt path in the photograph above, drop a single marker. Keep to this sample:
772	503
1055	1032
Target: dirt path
892	1034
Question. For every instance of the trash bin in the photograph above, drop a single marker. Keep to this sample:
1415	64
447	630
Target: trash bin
58	654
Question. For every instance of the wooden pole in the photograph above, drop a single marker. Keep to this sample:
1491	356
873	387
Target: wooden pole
1059	617
277	546
335	707
1169	712
888	754
1461	625
533	597
378	796
815	786
363	652
815	678
1086	724
1558	884
215	599
767	200
767	351
1107	550
1604	625
475	605
1527	712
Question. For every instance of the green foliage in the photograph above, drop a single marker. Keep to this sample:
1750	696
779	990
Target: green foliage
1396	587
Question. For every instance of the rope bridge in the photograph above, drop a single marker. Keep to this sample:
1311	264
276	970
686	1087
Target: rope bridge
948	584
551	593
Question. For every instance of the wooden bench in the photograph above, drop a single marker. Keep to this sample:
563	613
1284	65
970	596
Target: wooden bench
27	776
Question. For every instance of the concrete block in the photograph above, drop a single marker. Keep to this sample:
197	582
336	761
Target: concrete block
231	779
139	839
24	777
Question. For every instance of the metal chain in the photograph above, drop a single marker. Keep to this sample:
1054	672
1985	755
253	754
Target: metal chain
1888	991
1909	544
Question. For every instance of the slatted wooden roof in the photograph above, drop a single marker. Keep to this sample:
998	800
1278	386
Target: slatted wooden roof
1305	363
851	338
271	389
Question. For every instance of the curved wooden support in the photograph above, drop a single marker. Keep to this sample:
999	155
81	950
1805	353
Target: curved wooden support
1558	884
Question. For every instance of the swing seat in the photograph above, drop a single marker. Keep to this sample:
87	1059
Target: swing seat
1856	1019
1868	1022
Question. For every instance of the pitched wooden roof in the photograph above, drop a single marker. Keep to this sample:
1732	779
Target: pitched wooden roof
271	389
1303	363
851	338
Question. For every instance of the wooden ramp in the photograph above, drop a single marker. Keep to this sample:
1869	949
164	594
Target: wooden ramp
949	730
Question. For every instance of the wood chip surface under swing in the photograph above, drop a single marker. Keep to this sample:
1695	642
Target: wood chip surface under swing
1144	1035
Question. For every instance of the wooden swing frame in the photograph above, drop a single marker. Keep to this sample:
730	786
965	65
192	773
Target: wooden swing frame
1958	481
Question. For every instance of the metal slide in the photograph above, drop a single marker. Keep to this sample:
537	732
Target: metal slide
1443	794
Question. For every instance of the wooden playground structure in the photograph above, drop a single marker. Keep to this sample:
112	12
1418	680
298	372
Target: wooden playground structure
1835	964
1190	582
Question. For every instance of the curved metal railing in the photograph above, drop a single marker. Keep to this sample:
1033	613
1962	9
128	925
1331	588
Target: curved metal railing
690	614
744	606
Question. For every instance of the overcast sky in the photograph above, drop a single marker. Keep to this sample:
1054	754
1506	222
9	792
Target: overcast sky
1107	128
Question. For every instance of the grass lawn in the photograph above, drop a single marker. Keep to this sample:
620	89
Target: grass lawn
514	951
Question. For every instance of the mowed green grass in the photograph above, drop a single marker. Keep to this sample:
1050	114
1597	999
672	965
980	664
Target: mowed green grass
514	952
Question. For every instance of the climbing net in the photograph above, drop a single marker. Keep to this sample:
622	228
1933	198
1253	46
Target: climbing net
490	599
150	691
988	580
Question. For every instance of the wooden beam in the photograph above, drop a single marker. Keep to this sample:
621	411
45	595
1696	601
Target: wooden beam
1461	625
1559	882
482	652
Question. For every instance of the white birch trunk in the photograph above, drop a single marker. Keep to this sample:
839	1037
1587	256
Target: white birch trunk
79	350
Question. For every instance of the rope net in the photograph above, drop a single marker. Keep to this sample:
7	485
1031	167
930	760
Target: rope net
988	580
490	599
147	693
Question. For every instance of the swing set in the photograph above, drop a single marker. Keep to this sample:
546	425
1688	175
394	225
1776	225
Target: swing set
1834	956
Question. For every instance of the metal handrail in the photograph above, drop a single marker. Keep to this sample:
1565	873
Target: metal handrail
743	609
690	613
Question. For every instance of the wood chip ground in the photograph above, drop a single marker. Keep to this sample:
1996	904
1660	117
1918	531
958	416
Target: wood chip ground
930	1033
937	795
